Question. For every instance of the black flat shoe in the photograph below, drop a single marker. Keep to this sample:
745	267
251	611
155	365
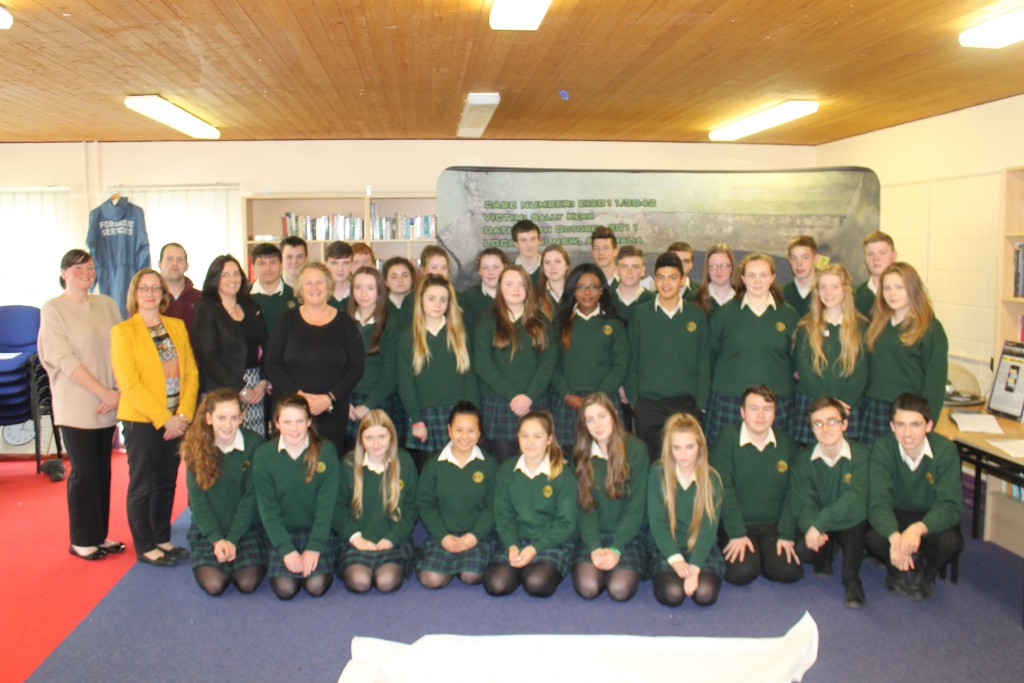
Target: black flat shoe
177	552
164	560
97	554
854	598
113	548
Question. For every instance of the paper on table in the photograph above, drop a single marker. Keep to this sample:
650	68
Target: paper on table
976	422
1012	447
8	356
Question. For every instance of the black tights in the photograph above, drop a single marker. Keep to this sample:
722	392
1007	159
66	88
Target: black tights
539	579
589	581
215	580
436	580
359	578
668	589
503	450
286	588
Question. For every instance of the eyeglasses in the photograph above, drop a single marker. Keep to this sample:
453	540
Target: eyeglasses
155	289
589	288
831	422
720	266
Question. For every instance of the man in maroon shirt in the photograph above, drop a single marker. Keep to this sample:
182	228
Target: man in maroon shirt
184	296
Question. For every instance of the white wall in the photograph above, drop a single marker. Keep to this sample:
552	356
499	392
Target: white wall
941	201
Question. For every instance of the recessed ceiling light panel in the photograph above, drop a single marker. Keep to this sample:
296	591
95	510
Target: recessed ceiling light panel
518	15
764	119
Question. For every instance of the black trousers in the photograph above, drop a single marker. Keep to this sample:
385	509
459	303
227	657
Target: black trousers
763	561
850	540
88	483
937	548
649	417
152	476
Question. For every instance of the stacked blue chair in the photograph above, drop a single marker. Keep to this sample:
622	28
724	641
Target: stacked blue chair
24	386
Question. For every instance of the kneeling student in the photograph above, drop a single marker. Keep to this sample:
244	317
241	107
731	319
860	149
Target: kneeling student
830	497
758	526
915	500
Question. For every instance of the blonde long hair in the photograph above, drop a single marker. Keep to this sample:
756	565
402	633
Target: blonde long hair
455	331
849	331
920	315
706	477
391	482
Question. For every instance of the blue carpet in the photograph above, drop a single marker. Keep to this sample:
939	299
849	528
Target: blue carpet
157	625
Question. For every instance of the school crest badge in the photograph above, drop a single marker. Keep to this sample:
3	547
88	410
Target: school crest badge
245	465
607	329
478	477
321	467
691	326
847	478
548	491
782	466
930	478
780	326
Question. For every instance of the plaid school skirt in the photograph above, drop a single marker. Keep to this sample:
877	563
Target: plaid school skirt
560	556
402	554
500	423
635	556
725	410
275	566
436	419
431	557
876	416
715	564
253	549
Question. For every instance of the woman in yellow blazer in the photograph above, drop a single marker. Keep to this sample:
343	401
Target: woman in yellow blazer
157	374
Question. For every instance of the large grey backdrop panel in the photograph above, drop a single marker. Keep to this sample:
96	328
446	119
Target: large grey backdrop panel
749	210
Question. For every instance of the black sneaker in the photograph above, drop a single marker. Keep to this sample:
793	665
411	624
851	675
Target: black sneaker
895	583
921	588
854	598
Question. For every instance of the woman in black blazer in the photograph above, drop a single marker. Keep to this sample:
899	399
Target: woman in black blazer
228	334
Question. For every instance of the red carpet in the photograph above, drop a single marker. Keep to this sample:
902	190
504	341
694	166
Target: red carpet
45	591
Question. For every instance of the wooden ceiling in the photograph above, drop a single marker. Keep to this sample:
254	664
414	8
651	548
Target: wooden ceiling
635	70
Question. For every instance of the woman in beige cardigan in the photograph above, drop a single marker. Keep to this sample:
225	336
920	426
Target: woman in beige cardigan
74	347
159	382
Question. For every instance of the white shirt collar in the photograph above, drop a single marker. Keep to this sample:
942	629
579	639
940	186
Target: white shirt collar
447	455
803	291
513	318
489	293
237	445
576	312
359	319
595	451
746	302
844	452
745	438
282	447
436	332
519	262
723	300
397	299
926	452
545	467
685	485
872	286
257	288
376	469
629	302
670	313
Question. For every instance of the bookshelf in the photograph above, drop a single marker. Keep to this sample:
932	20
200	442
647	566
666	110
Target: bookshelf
392	224
1004	507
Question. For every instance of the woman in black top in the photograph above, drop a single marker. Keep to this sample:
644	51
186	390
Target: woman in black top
317	352
228	332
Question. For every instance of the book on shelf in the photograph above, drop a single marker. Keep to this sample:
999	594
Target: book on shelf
1018	269
328	228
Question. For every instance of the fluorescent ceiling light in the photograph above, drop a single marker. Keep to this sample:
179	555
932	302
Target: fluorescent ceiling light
518	15
6	20
763	120
159	109
1006	29
477	113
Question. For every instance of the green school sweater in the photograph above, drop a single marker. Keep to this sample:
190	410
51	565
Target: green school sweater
802	305
540	512
596	360
830	382
624	517
657	515
757	484
438	384
340	304
503	375
273	306
934	489
748	350
380	373
690	292
864	299
375	523
401	318
831	498
921	368
627	310
669	357
227	510
286	501
458	501
474	303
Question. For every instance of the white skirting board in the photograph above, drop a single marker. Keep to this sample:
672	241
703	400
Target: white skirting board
591	658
